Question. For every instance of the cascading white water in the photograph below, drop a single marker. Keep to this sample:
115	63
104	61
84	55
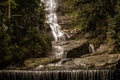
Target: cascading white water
51	19
51	7
60	75
92	48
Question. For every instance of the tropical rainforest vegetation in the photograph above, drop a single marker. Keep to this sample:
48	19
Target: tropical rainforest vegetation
99	17
24	33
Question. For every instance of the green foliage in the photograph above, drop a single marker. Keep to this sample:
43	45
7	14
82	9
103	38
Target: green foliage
24	34
99	17
116	35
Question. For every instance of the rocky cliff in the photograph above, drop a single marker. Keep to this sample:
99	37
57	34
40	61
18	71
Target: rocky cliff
89	43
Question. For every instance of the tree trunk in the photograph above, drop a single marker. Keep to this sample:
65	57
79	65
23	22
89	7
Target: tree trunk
9	9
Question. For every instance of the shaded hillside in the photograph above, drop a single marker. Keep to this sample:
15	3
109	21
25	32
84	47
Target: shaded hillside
23	33
100	18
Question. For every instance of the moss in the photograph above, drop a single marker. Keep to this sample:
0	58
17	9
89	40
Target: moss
32	63
94	16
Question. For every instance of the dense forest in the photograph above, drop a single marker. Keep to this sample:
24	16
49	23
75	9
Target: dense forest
99	17
24	33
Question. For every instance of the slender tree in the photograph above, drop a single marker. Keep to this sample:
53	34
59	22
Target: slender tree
9	9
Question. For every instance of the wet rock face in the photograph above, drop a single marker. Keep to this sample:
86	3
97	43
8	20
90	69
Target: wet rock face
104	61
78	51
74	48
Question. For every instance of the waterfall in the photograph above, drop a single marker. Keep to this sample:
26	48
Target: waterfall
51	19
51	6
92	48
60	75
